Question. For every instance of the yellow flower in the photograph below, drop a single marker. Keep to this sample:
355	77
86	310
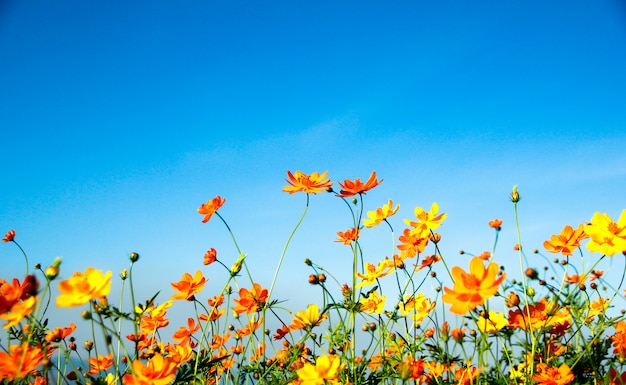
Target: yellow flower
301	182
372	273
308	318
418	307
83	287
607	237
158	371
373	303
426	221
18	311
324	371
381	214
493	324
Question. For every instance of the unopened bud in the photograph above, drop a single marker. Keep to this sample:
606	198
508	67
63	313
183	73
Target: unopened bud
515	195
134	257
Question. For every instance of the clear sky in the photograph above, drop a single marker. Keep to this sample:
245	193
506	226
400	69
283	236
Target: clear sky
119	118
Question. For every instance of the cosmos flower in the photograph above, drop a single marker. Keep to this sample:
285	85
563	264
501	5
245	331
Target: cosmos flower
83	287
351	188
310	184
567	241
382	213
607	237
210	207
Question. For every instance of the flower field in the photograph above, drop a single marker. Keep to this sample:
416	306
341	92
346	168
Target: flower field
559	322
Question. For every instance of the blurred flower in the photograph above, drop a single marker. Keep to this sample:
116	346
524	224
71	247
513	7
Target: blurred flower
473	288
19	311
100	363
348	236
493	323
496	224
466	376
615	378
9	236
551	375
607	237
11	293
251	300
19	361
373	303
567	241
310	184
307	319
83	287
178	353
382	213
323	372
58	334
426	221
619	340
210	207
159	370
188	286
210	256
350	188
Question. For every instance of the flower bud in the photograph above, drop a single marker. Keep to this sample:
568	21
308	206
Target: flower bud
321	278
124	274
313	280
512	300
515	195
531	273
88	345
434	237
308	262
53	270
134	257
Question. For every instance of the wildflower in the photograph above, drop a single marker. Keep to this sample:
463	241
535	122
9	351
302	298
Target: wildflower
550	375
280	333
466	376
250	327
473	288
100	363
429	261
58	334
458	334
323	372
426	221
159	370
607	236
308	318
178	353
9	236
11	293
496	224
350	188
301	182
349	236
541	315
619	340
373	303
251	300
19	361
565	242
188	286
19	311
153	318
83	287
485	255
493	323
512	300
382	213
210	207
515	195
184	334
418	307
615	378
210	256
412	244
372	273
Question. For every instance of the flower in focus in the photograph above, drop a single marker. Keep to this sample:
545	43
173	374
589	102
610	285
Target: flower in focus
550	375
184	334
251	300
372	273
19	361
210	207
9	236
348	236
310	184
496	224
473	288
567	241
188	286
428	261
426	221
83	287
493	323
417	307
100	363
382	213
210	256
412	244
58	334
607	237
323	372
307	319
158	371
351	188
373	303
538	316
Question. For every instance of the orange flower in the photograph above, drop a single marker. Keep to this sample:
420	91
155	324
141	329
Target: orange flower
565	242
11	293
426	221
348	236
210	256
550	375
615	378
99	363
189	286
251	300
382	213
312	184
280	333
59	334
619	340
158	371
485	255
412	244
429	261
19	311
350	188
184	334
543	315
153	318
9	236
250	327
19	361
496	224
473	288
466	376
83	287
210	207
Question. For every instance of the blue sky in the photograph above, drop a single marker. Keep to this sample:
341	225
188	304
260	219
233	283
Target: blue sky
120	118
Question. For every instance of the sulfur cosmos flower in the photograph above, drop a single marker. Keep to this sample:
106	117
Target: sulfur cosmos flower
372	273
83	287
308	318
567	241
188	286
158	371
210	256
493	323
473	288
210	207
100	363
310	184
323	372
542	315
496	224
607	237
252	300
551	375
373	303
349	236
351	188
418	307
19	311
9	236
19	361
382	213
426	221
